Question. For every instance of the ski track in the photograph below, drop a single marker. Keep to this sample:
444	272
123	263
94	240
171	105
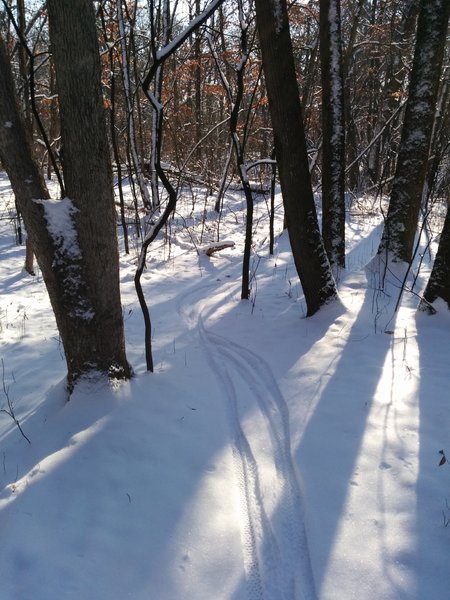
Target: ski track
276	557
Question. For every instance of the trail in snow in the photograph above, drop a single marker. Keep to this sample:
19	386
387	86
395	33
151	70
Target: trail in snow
274	543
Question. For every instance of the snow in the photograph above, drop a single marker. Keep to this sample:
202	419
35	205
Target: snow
179	39
269	456
59	216
277	12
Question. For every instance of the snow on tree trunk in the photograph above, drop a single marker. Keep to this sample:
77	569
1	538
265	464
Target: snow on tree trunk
98	342
50	227
333	148
307	246
402	217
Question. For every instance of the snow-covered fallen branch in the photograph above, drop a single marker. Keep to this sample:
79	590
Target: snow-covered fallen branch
211	249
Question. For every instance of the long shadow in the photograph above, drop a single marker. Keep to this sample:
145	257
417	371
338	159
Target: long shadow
431	552
341	414
152	488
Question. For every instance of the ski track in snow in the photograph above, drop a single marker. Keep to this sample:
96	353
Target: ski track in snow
275	552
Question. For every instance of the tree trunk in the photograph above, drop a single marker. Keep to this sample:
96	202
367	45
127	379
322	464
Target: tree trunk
29	257
56	248
351	137
401	221
16	157
97	342
438	285
333	147
131	130
308	251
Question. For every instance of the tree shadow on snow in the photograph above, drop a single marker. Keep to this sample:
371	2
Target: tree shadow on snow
102	501
433	481
330	446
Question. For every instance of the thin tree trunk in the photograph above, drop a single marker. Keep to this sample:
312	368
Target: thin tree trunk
347	75
438	285
23	66
130	115
333	148
239	145
28	115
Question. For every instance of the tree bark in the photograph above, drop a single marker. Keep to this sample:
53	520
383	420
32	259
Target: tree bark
307	246
97	342
333	147
438	285
78	258
28	186
402	217
16	157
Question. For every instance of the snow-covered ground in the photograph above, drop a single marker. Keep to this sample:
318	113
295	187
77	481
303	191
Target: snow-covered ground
269	457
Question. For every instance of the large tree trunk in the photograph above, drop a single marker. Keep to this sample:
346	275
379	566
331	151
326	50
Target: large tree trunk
401	221
290	145
333	147
16	157
98	341
74	240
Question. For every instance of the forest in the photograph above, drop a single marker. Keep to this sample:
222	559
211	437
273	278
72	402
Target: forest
224	299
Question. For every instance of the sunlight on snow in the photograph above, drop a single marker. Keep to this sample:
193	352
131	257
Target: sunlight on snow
211	514
45	467
386	466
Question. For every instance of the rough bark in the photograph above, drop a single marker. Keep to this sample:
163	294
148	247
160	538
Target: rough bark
77	314
402	217
29	257
307	246
16	156
31	195
438	285
351	133
97	343
333	147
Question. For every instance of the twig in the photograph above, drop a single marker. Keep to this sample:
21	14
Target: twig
10	410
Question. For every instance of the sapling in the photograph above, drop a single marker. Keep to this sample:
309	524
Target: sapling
10	405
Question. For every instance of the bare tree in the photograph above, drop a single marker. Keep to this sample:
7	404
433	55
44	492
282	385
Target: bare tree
333	146
74	238
308	250
98	342
132	143
438	285
152	85
412	163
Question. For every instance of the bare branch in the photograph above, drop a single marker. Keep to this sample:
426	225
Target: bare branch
10	410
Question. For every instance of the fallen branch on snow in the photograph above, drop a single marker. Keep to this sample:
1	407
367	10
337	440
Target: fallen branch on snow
210	249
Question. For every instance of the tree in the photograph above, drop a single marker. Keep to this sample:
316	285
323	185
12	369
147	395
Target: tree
74	238
152	86
132	143
290	146
438	285
333	146
412	162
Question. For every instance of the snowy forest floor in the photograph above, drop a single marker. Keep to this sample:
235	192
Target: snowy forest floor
269	457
